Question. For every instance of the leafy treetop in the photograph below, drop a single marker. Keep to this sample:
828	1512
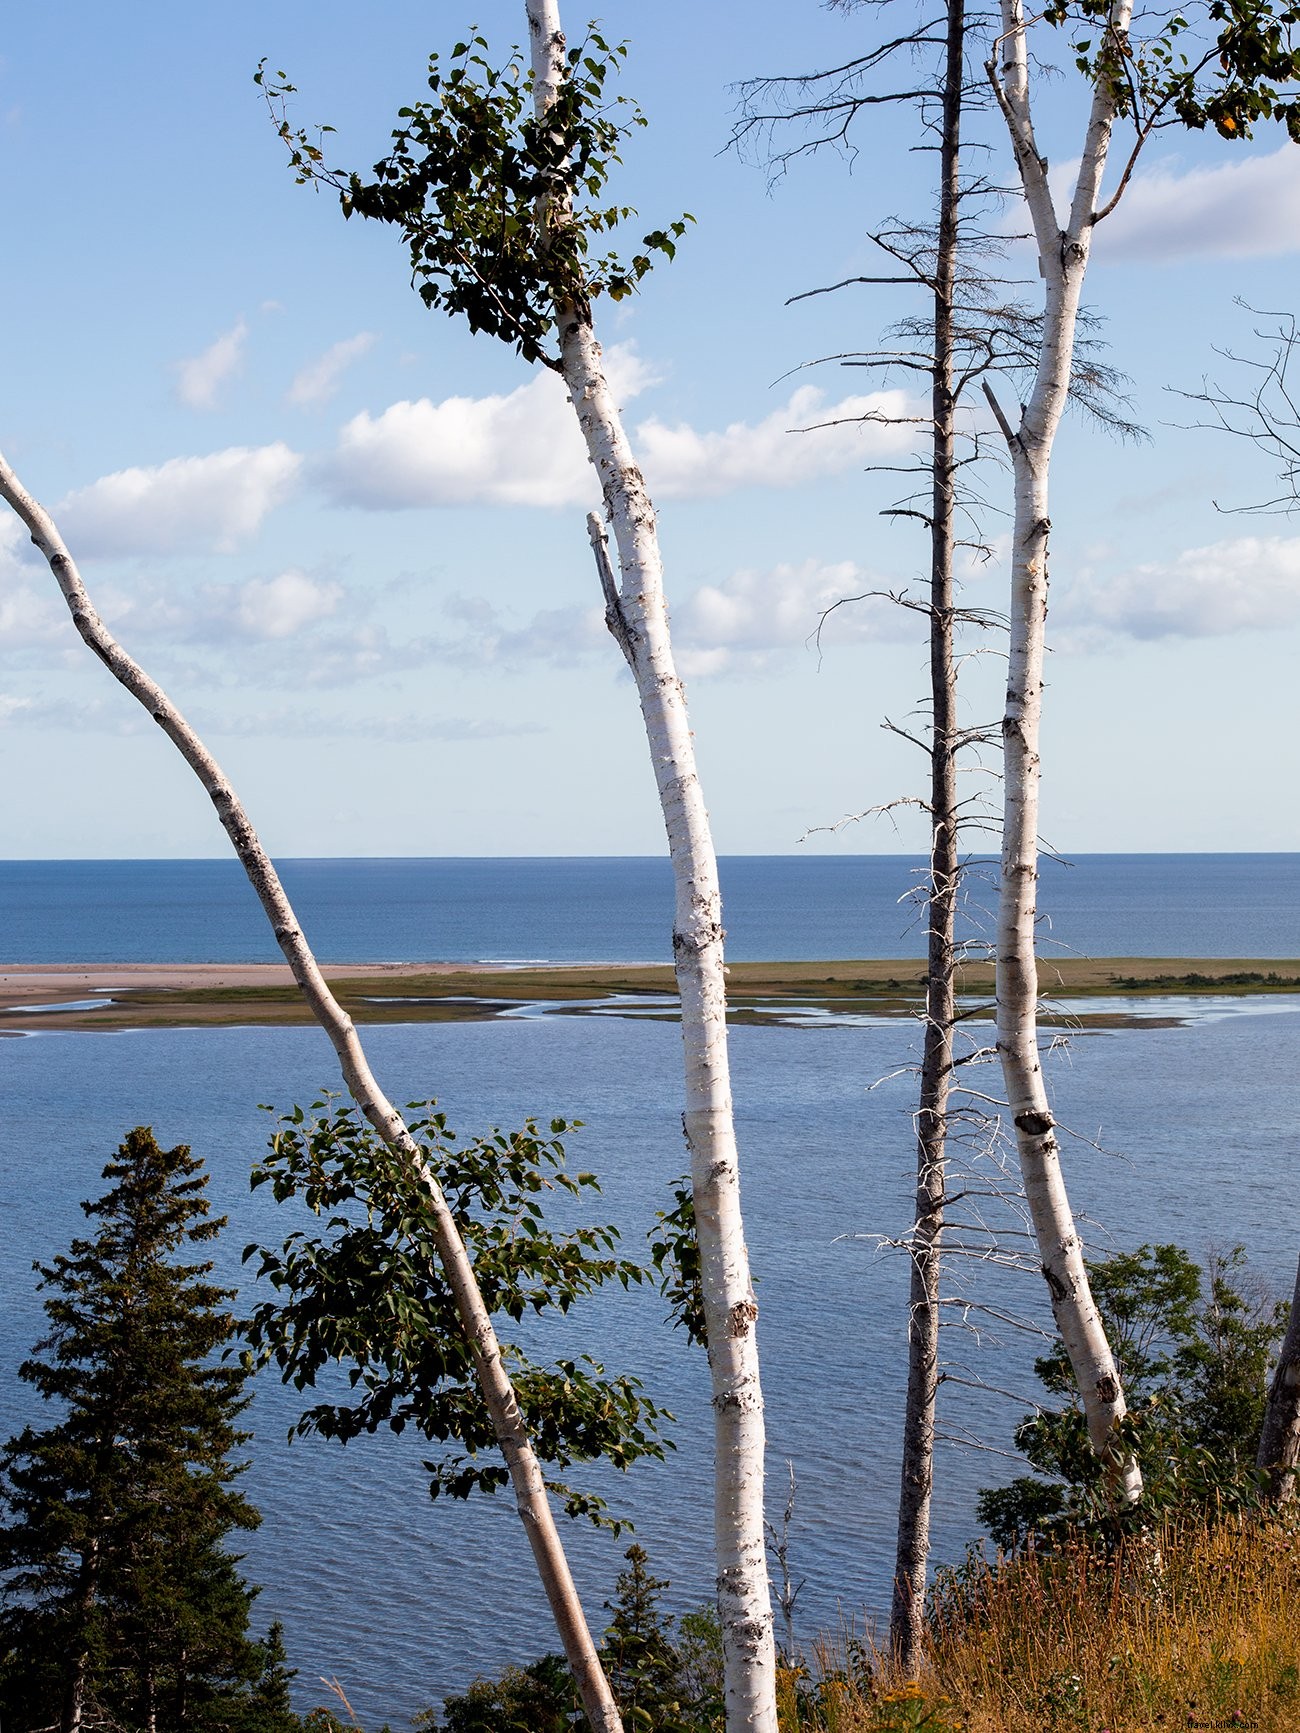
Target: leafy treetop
368	1292
500	209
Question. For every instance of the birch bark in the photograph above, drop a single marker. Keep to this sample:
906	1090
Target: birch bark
1279	1439
638	618
907	1617
526	1476
1063	262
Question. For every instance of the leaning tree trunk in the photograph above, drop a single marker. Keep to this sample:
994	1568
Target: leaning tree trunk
498	1393
1063	261
907	1618
1279	1440
638	617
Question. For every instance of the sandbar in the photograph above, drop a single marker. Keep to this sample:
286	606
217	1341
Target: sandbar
116	996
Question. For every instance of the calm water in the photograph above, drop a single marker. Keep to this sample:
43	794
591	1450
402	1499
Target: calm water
402	1599
620	909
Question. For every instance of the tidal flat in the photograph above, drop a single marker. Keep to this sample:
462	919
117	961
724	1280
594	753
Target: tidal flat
1078	992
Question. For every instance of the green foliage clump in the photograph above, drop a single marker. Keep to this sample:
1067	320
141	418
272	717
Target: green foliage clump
1193	1351
1236	64
121	1604
664	1683
367	1292
497	207
675	1253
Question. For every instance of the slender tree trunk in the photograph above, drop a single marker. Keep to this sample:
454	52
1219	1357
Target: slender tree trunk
1063	260
508	1422
907	1621
639	619
74	1690
1279	1439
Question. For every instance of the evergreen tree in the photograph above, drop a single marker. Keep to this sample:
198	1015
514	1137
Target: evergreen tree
643	1665
1193	1348
121	1606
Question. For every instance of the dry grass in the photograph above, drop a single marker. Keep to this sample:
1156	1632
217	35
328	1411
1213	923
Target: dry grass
1198	1627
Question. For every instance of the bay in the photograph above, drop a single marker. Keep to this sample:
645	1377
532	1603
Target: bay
1183	1133
404	1600
619	909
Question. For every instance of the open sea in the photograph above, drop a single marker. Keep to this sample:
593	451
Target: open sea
1184	1133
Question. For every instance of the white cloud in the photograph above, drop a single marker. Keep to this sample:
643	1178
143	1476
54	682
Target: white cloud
524	448
319	380
747	621
30	617
518	449
199	378
283	606
1249	583
560	636
681	463
186	504
214	616
1244	208
752	614
1241	207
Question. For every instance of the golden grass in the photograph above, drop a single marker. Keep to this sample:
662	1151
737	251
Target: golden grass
1197	1627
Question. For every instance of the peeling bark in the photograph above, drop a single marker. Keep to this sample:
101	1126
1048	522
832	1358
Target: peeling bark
1279	1439
1063	262
526	1476
638	617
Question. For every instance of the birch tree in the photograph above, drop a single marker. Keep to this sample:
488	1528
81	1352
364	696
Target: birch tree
526	1475
1260	405
1228	75
498	185
972	327
637	616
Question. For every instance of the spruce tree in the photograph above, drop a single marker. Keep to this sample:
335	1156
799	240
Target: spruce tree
122	1607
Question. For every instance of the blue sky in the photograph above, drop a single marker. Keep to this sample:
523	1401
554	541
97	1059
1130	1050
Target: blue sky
348	537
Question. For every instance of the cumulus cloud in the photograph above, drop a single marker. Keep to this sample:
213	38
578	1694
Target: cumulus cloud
283	606
746	621
519	449
200	378
31	617
753	614
188	504
259	610
524	448
806	438
319	380
1249	583
1244	208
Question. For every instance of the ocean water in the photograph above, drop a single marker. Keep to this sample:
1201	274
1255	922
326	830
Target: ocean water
1184	1133
619	909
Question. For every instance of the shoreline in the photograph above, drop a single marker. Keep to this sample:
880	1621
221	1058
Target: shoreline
116	996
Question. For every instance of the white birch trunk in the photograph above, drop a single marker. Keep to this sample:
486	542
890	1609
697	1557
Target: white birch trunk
1279	1439
1063	261
526	1476
638	617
